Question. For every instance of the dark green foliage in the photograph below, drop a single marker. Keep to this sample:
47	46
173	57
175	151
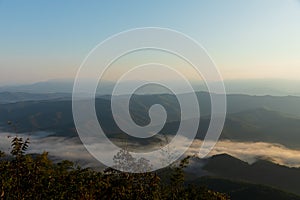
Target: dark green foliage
124	161
37	177
177	189
19	147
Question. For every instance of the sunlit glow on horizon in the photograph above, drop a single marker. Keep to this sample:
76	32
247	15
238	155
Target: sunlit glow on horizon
246	40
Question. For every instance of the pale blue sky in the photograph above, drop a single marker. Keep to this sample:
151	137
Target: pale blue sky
43	40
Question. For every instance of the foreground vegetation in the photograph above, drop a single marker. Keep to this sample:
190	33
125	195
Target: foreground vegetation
25	176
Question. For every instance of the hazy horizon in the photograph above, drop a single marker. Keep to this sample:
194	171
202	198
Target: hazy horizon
274	87
246	40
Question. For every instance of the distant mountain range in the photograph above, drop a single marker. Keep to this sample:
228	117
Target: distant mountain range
249	118
274	87
55	86
13	97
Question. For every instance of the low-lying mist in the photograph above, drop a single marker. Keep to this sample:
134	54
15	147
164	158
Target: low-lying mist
61	148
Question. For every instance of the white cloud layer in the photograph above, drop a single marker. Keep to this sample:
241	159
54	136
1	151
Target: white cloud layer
72	149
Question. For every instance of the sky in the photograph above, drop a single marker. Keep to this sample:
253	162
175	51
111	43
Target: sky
42	40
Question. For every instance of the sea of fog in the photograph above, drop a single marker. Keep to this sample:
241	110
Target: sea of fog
61	148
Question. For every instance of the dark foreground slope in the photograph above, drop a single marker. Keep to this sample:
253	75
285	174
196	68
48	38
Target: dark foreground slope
238	190
261	172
